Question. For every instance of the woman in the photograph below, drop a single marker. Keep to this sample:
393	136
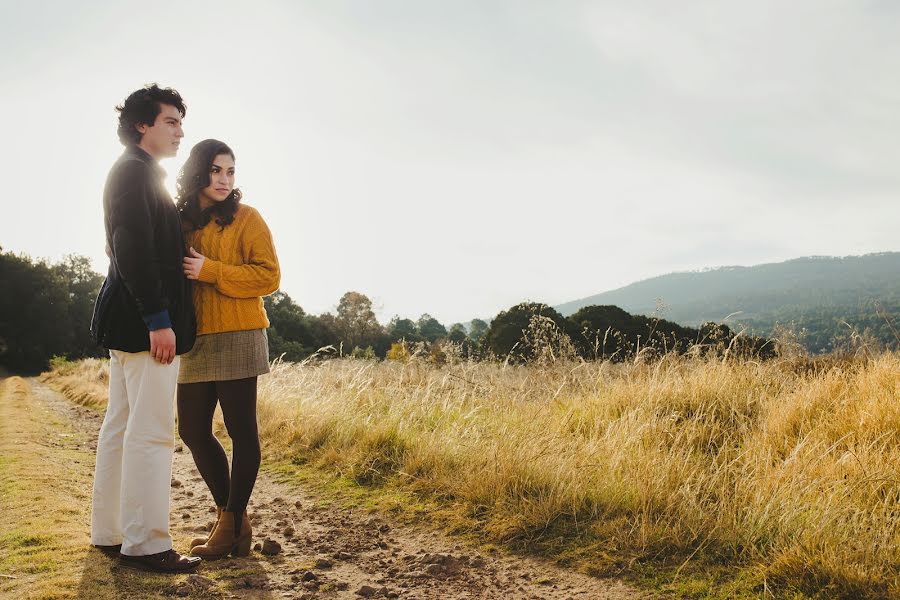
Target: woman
232	261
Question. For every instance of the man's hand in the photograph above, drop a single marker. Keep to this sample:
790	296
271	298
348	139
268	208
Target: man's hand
193	263
162	345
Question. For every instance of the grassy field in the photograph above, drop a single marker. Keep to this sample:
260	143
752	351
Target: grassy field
701	477
46	468
31	539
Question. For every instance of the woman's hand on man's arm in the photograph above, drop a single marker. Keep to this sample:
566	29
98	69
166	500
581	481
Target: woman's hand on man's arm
193	263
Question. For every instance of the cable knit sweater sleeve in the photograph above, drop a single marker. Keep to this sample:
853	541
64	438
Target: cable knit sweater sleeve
259	275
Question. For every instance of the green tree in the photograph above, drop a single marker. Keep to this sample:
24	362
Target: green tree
325	329
289	331
356	323
477	329
457	333
403	329
295	334
506	335
34	314
608	332
83	284
430	328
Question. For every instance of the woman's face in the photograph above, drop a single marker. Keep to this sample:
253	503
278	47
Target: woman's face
221	180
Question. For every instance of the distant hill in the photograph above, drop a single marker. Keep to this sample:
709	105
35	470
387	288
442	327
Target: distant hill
817	294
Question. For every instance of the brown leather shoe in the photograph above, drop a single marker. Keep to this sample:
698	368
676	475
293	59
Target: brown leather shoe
111	550
162	562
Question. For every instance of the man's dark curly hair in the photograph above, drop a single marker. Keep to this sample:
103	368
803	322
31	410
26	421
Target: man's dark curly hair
142	107
193	177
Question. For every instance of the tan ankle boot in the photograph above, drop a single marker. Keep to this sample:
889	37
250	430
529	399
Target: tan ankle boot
223	540
197	541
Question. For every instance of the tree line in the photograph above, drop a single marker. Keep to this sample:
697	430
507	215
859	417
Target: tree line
827	328
45	311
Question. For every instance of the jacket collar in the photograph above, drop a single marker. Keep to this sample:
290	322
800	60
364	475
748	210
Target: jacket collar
135	151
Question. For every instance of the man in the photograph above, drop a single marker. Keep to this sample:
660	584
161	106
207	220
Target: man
144	316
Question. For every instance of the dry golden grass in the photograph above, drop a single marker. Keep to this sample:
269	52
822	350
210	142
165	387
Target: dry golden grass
85	382
789	475
778	477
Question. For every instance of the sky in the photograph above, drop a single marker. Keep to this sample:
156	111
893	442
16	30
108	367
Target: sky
458	157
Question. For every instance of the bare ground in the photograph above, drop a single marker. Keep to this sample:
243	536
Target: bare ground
307	546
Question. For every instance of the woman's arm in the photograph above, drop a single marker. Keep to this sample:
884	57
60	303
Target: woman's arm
259	276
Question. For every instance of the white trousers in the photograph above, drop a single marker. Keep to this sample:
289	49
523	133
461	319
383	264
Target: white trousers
134	455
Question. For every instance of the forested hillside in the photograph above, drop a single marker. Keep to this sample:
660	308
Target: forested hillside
824	299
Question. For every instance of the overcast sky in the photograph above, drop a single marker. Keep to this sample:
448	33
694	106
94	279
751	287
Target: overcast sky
458	157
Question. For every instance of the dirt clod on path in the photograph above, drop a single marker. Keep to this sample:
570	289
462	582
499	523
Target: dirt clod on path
307	548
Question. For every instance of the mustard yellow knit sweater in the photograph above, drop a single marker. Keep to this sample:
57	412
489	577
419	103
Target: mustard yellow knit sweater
240	268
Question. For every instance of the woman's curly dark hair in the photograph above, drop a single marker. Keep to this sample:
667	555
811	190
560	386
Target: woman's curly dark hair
193	177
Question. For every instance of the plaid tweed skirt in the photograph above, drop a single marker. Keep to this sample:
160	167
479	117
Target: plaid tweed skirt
225	356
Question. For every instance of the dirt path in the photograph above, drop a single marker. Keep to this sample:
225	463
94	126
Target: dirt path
306	547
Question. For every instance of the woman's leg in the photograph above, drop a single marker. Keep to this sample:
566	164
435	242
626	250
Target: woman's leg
238	401
196	406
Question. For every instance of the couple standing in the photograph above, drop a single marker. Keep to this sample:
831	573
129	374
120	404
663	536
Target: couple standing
181	308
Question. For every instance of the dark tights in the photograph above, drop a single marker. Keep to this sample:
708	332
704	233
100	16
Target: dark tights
196	405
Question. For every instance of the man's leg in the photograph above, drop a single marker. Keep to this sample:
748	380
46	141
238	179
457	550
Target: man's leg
147	454
106	522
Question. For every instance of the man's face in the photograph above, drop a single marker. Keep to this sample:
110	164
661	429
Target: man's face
161	140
